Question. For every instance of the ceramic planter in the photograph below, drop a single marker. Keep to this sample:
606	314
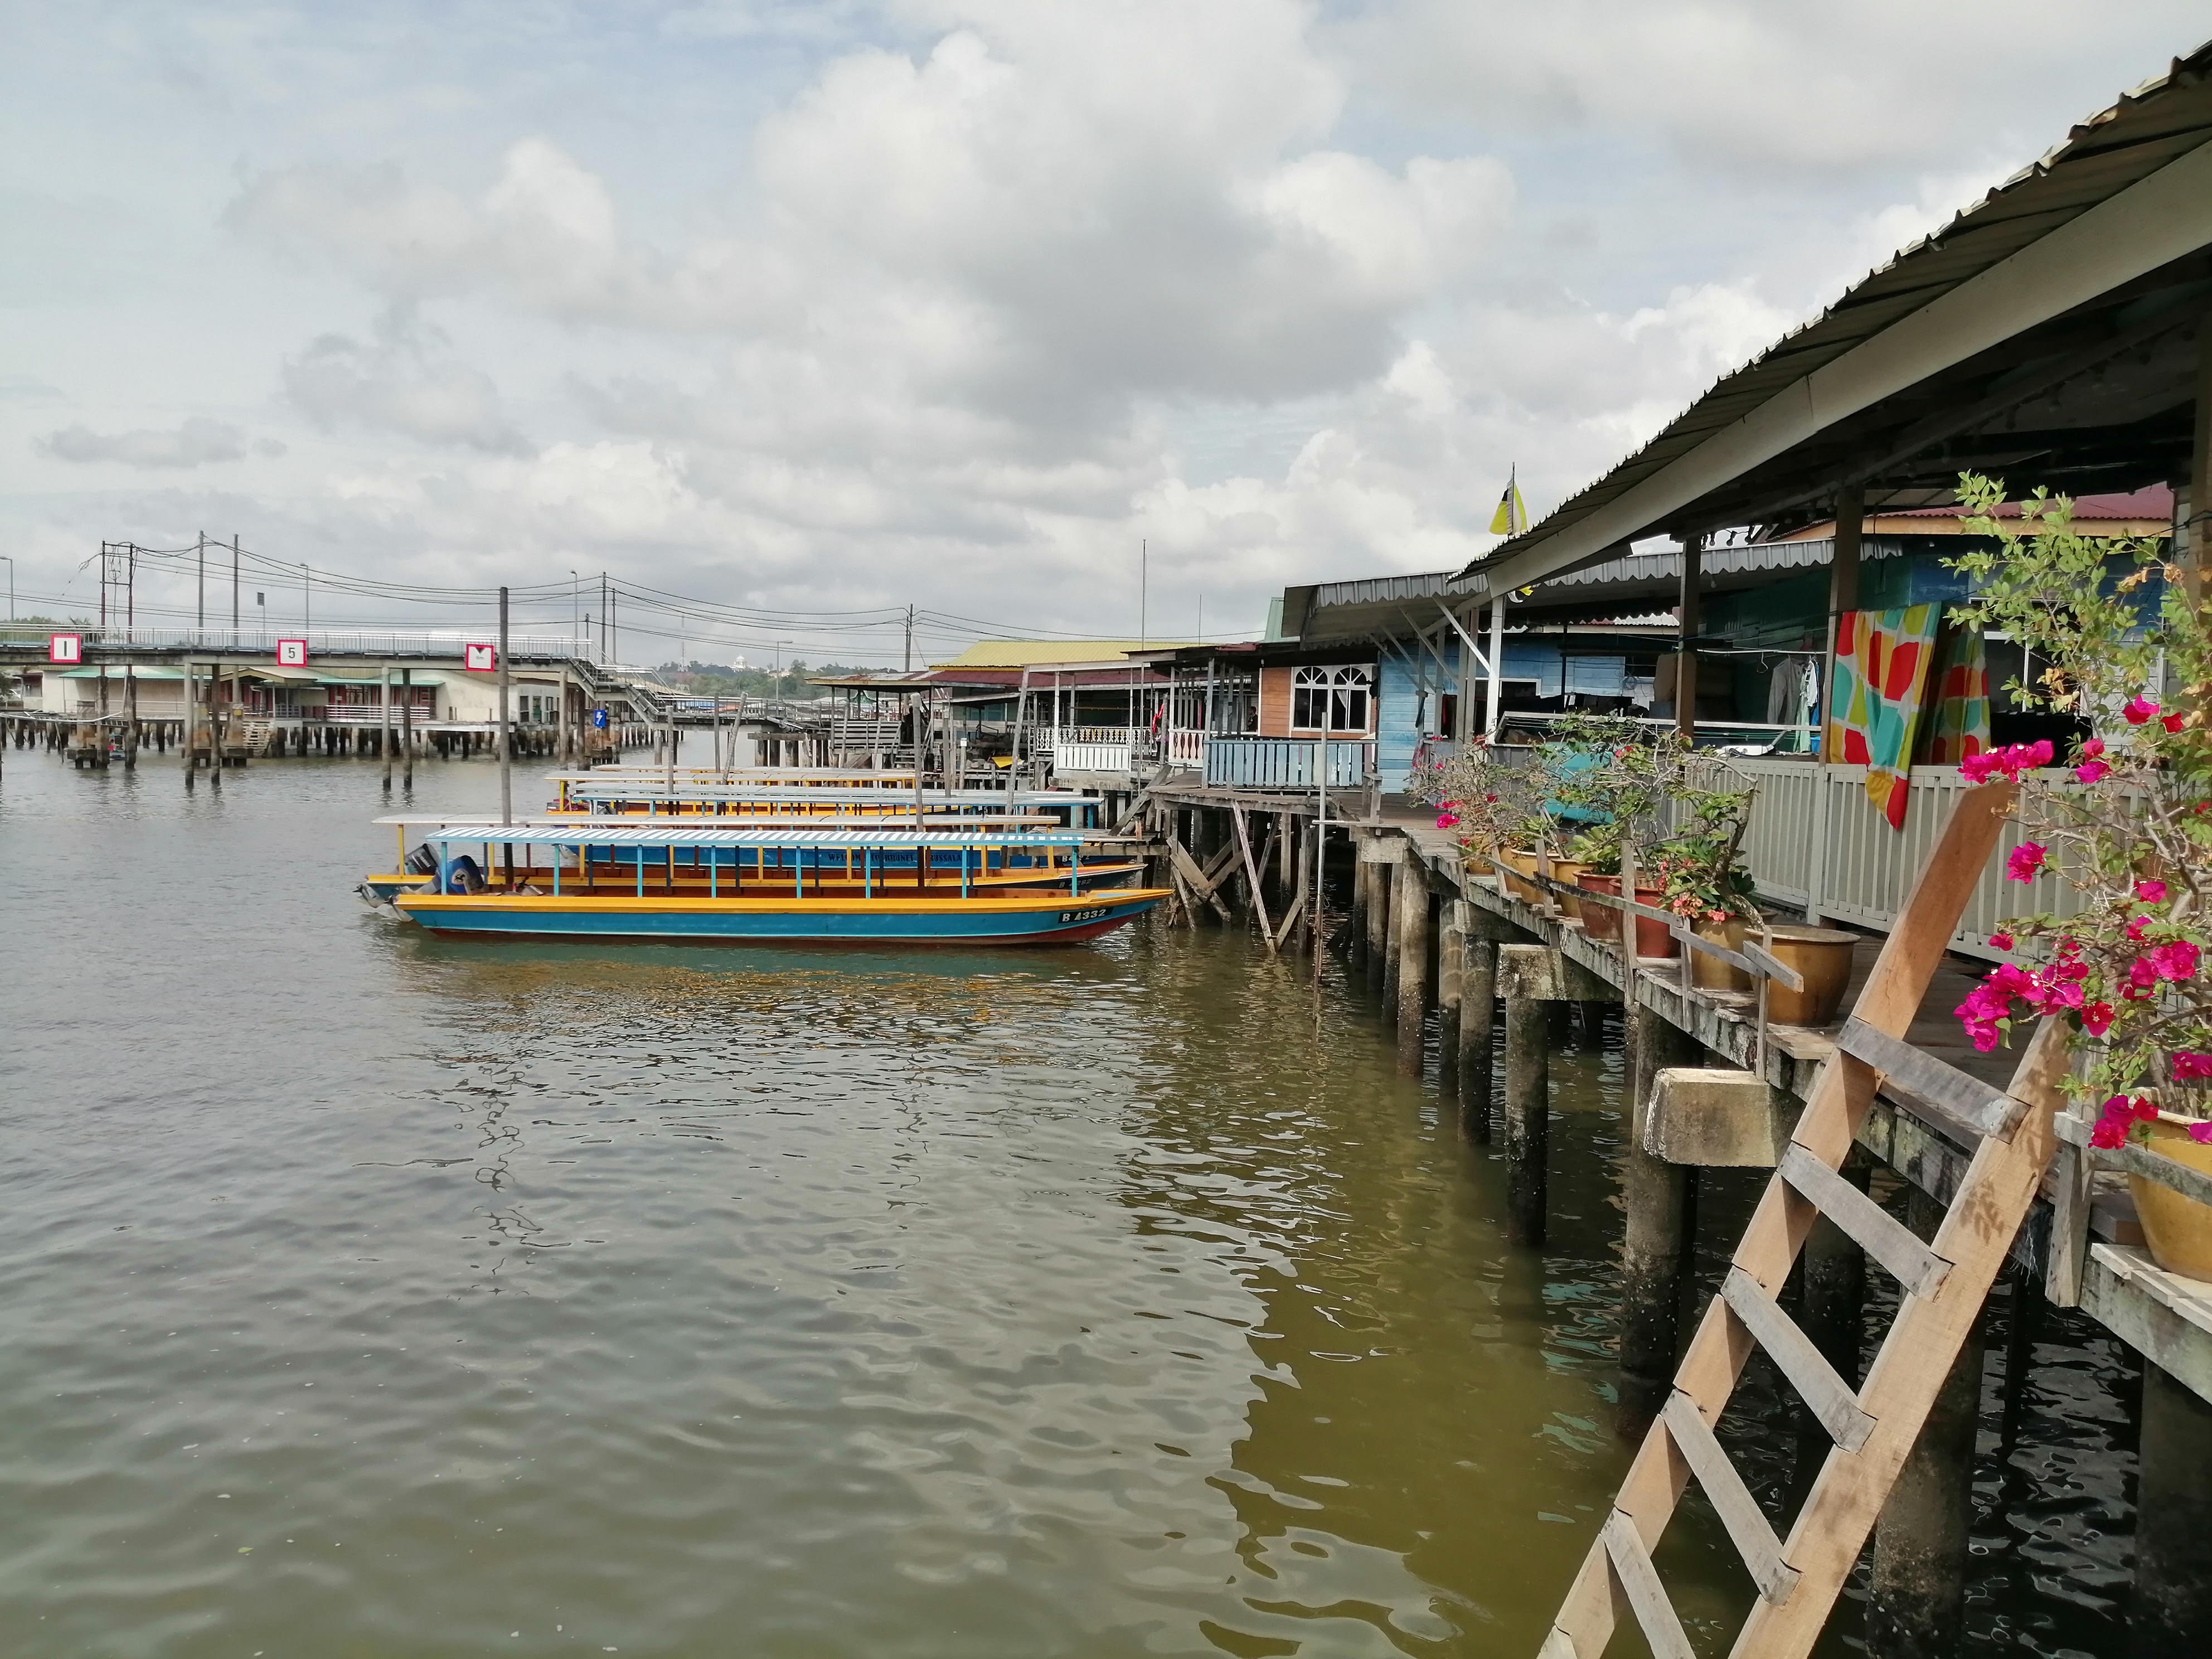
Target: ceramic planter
1526	892
2178	1229
1710	973
1822	955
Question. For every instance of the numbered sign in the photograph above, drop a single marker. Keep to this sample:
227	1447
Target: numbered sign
291	653
480	658
65	647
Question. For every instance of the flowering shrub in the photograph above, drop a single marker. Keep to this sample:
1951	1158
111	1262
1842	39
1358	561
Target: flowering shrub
2128	828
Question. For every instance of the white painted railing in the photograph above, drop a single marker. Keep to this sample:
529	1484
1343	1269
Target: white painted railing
1814	840
1249	762
1187	748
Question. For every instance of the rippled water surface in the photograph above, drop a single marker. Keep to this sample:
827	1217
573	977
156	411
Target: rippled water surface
366	1294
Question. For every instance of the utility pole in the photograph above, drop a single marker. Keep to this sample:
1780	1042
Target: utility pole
234	589
306	599
200	624
909	639
1144	573
506	791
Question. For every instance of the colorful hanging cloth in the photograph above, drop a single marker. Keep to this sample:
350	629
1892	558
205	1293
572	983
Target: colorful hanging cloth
1958	723
1882	670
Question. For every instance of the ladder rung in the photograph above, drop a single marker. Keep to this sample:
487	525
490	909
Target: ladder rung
1647	1596
1981	1106
1731	1500
1872	1228
1815	1380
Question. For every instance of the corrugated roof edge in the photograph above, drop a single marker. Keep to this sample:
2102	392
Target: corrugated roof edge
2198	62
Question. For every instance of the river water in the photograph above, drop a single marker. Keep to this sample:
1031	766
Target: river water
367	1294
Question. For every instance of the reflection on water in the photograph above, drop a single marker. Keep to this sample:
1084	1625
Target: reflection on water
373	1293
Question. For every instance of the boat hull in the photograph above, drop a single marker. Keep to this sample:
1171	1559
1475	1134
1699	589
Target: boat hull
1026	919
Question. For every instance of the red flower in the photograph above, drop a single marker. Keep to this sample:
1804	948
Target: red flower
2027	858
2093	771
2188	1067
2172	723
1447	820
2001	941
2091	749
2097	1019
2175	960
2151	892
2139	709
2135	928
2200	1134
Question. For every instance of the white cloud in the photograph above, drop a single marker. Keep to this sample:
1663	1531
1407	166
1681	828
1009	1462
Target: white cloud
400	381
957	301
196	441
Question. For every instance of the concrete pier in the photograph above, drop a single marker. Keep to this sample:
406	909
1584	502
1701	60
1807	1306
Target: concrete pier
1654	1243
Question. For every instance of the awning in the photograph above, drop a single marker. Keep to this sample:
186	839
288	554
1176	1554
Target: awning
603	832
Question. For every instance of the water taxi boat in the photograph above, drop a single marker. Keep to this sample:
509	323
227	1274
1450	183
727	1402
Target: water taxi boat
703	882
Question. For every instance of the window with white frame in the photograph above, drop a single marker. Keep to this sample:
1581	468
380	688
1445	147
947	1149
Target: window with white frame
1329	699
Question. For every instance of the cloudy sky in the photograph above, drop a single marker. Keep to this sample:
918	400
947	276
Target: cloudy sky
829	307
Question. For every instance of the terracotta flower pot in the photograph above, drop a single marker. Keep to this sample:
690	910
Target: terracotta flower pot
1711	973
1526	892
1822	955
1602	923
1569	871
2178	1229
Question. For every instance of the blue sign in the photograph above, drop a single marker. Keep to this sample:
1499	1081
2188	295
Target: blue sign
599	720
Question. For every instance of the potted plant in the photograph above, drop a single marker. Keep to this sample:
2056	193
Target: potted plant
1699	880
2127	827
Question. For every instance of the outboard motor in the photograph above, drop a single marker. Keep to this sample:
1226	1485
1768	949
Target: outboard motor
423	861
463	875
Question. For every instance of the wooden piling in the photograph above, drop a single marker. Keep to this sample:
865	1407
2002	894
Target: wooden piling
1412	885
1478	1016
1654	1239
1526	1111
2172	1614
1451	957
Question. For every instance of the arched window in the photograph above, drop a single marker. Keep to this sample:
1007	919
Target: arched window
1329	700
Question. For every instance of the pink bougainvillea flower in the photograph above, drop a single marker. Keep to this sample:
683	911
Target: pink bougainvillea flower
2139	709
2091	749
2001	941
2200	1134
2142	1110
2038	753
2094	771
2142	980
2027	858
2172	723
2136	928
1980	768
2111	1128
2175	960
2097	1019
1447	820
2151	892
2189	1065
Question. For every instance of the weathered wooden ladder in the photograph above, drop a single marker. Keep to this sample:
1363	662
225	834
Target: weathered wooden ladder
1944	1285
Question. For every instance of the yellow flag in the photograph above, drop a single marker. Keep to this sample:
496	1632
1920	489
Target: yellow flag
1512	515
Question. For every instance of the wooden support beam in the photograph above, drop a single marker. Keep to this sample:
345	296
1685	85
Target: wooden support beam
1647	1596
1252	875
1987	1110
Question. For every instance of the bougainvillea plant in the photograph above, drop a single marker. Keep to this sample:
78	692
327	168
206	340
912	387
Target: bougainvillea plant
2119	639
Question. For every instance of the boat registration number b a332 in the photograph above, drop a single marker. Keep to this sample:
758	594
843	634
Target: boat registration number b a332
1069	917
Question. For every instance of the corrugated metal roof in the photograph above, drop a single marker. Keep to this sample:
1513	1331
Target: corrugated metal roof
2148	128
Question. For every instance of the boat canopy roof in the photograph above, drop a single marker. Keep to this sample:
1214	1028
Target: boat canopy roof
586	788
598	832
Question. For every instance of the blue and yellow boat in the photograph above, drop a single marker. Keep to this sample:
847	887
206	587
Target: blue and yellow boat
695	882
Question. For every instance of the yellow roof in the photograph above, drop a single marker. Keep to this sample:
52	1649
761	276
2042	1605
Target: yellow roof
1023	653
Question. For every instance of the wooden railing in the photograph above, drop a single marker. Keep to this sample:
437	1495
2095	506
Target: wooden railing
1248	763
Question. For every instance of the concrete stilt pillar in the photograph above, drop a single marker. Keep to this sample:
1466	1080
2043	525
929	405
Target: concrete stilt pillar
1478	1015
2173	1614
1395	875
1655	1241
1916	1592
1413	907
1452	958
1527	1109
1356	935
1378	924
